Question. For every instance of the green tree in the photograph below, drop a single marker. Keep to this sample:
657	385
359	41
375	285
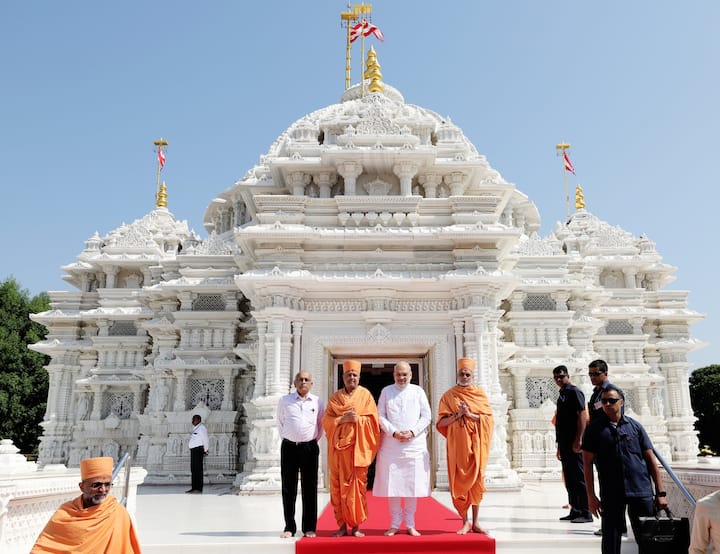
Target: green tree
23	379
705	398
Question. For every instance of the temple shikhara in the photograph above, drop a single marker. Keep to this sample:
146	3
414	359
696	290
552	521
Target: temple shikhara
370	229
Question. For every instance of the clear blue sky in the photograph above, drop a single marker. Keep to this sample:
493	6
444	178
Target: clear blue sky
87	86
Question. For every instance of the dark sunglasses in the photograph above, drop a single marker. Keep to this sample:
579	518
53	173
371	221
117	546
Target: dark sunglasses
595	373
610	400
99	484
559	377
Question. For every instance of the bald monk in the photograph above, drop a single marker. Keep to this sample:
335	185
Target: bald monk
352	428
95	522
465	419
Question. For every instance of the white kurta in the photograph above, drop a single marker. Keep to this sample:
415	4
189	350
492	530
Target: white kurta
403	468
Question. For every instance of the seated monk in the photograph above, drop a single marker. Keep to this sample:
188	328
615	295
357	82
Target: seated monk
95	522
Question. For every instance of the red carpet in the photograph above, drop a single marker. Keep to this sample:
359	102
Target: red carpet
436	523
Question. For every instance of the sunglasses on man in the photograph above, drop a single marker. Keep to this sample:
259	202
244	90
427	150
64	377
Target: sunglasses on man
612	401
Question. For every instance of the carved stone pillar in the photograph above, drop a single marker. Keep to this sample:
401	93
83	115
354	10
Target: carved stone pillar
405	171
519	375
629	273
478	346
350	171
297	327
260	369
111	276
456	182
430	183
325	180
297	180
459	328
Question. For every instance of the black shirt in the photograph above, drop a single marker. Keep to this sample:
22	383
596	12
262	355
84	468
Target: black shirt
570	402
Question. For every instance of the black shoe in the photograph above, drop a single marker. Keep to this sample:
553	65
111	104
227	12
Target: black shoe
582	519
570	516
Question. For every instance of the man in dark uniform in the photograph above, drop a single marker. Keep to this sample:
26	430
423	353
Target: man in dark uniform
622	452
569	427
598	373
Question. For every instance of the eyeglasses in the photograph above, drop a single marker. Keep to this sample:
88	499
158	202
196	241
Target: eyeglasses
595	373
463	374
559	377
303	379
100	484
610	400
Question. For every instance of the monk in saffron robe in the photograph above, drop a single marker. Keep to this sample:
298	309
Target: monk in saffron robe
352	428
95	522
465	419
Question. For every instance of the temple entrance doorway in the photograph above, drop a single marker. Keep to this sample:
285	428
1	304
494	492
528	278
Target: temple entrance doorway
377	373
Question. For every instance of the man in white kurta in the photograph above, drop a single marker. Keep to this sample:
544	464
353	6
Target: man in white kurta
402	468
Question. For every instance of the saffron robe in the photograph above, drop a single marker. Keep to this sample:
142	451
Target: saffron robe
468	445
351	449
104	528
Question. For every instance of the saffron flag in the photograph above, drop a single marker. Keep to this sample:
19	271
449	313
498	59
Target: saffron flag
568	164
371	29
161	157
357	30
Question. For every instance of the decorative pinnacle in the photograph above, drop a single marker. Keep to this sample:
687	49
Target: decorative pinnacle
579	198
373	72
162	197
562	146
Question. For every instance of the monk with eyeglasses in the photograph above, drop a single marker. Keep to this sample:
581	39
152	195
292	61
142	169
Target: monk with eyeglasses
92	523
465	419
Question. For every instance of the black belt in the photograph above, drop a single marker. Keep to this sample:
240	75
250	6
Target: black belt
299	443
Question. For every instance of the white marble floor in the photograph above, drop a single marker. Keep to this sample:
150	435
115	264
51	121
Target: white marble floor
219	521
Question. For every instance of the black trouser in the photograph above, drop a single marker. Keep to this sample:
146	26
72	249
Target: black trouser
572	466
299	457
197	456
613	519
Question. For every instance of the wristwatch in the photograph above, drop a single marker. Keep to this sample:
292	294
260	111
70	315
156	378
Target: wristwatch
661	494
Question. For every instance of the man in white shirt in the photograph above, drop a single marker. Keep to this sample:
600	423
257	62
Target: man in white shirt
402	469
199	444
706	525
299	417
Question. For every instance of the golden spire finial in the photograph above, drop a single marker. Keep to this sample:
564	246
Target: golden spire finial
579	198
161	200
373	72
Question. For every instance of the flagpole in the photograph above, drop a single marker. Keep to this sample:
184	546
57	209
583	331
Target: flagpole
159	143
363	11
562	147
348	17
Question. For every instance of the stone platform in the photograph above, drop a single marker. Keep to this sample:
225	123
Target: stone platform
218	521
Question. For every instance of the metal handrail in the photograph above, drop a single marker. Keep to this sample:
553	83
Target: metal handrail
124	461
676	479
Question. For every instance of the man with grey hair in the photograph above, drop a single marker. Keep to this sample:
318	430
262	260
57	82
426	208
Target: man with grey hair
299	417
402	471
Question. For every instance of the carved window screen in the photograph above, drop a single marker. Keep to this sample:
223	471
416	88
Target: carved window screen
539	389
618	327
119	403
539	303
123	329
209	303
208	391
